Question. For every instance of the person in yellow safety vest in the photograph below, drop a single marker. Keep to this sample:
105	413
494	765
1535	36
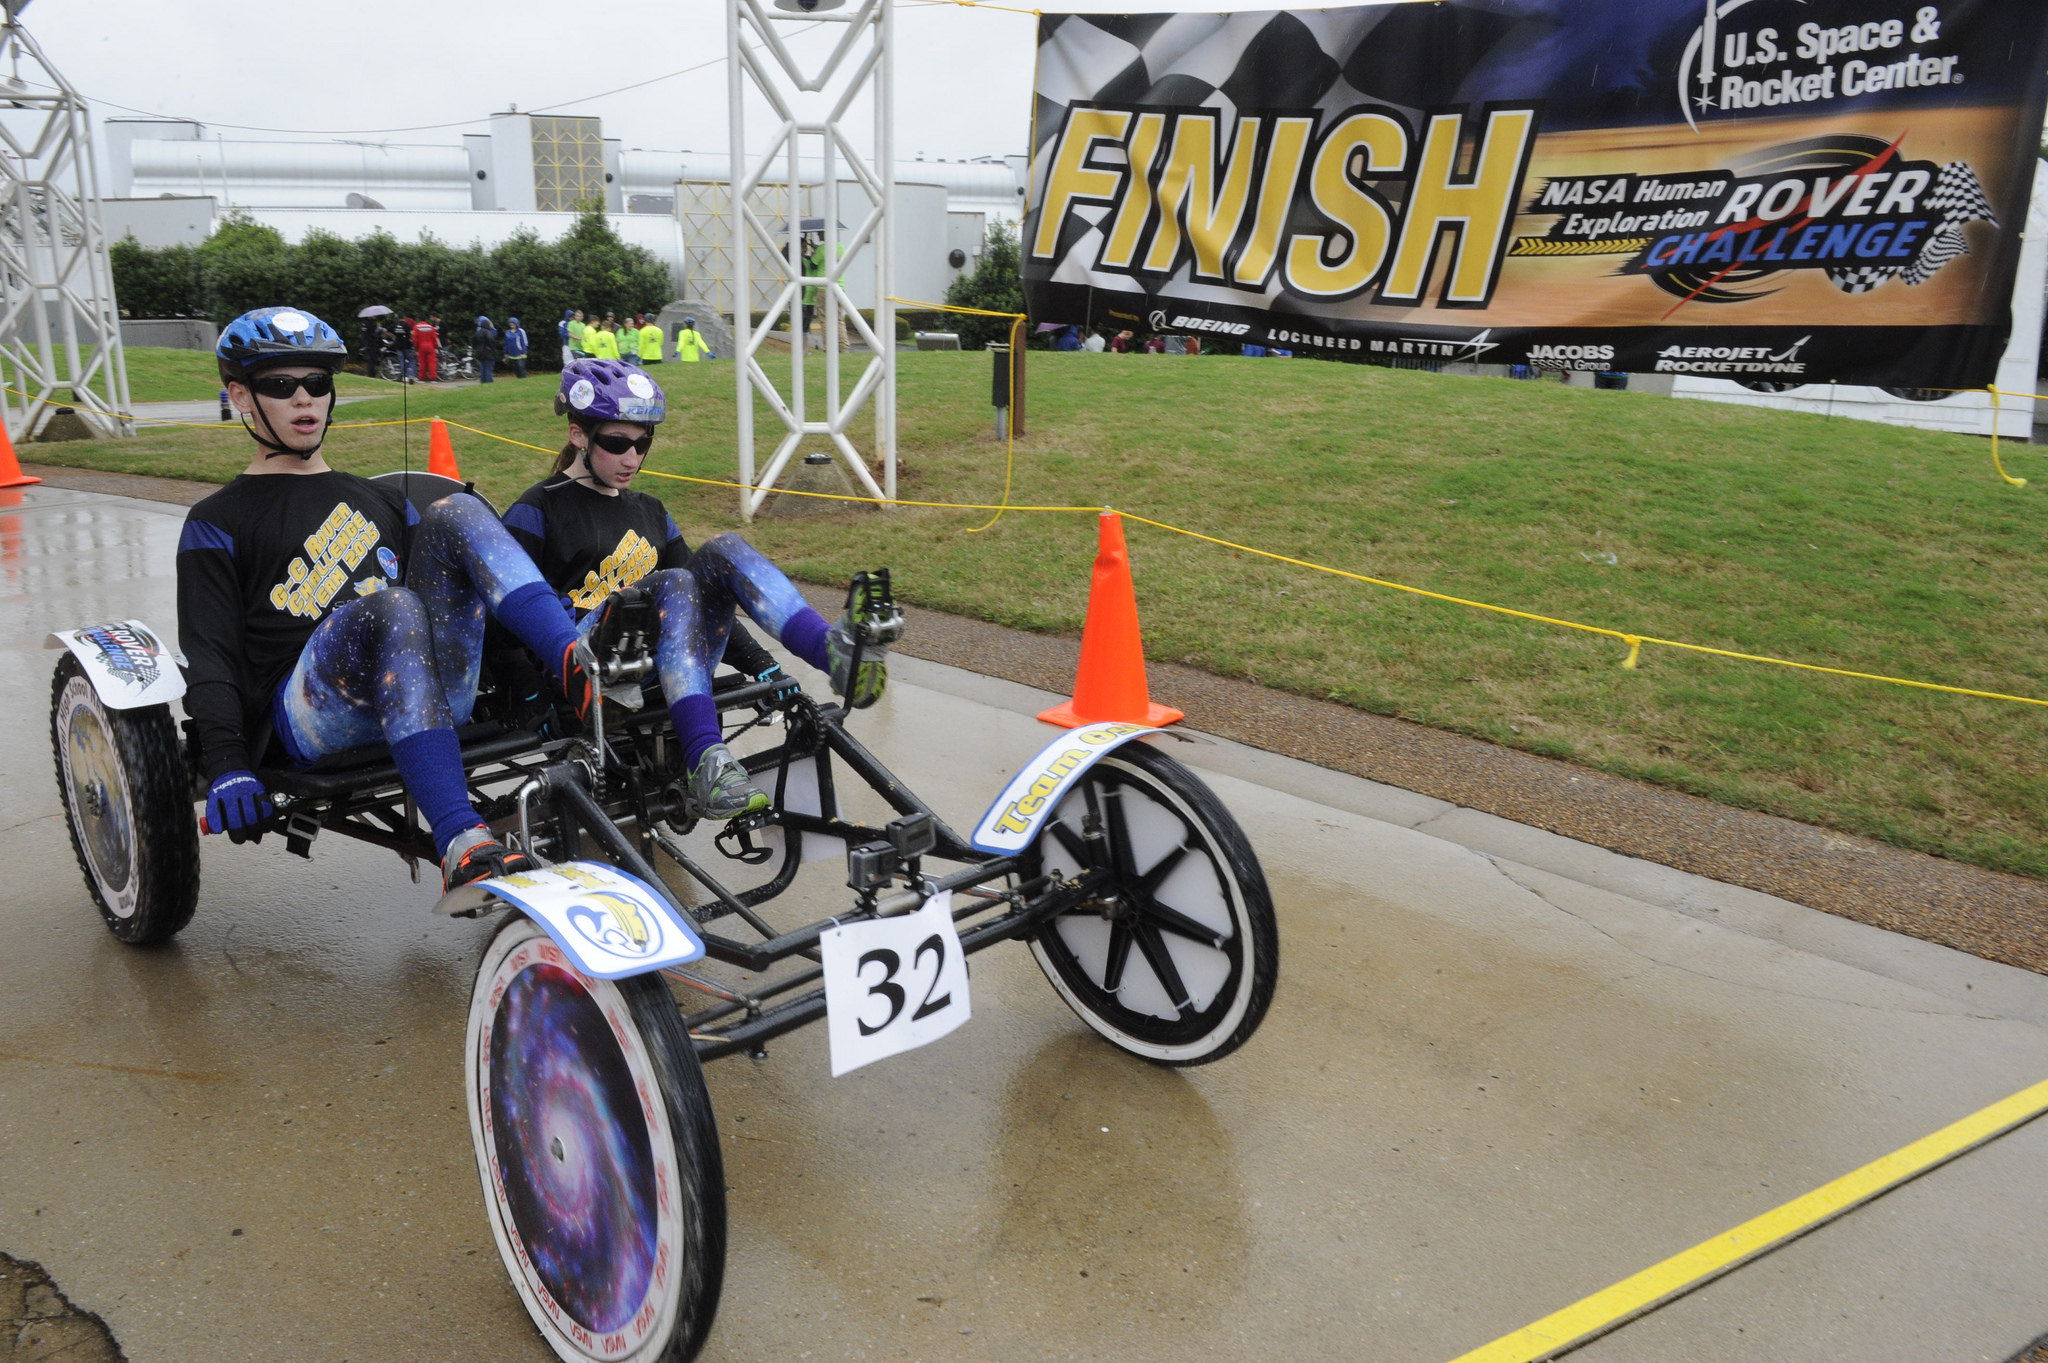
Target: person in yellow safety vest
690	346
628	336
650	342
814	264
602	342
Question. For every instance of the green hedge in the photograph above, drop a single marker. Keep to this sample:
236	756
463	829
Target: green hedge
245	265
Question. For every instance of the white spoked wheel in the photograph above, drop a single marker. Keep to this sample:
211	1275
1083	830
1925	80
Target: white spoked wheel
128	806
1175	956
598	1153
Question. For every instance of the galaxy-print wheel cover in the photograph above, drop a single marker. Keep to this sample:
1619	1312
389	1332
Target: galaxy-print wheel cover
581	1160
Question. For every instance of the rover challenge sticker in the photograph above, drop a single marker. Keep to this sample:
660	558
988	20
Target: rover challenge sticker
128	664
609	923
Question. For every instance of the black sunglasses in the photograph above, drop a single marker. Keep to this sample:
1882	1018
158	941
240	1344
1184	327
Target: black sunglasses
611	442
282	386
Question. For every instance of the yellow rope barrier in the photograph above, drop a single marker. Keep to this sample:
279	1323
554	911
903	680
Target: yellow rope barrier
1017	320
1634	642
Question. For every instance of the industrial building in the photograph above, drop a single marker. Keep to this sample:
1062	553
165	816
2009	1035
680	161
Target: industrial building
169	181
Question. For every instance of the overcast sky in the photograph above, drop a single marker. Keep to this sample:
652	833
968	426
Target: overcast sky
963	80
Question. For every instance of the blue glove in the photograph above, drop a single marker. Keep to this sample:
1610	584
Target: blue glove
774	672
236	800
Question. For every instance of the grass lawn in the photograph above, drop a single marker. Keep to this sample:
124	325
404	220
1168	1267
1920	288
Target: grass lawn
1829	541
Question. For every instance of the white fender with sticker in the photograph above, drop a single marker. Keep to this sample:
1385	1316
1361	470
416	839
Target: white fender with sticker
129	663
608	923
1033	793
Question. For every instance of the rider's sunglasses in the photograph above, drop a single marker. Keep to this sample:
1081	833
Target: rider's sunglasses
611	442
282	386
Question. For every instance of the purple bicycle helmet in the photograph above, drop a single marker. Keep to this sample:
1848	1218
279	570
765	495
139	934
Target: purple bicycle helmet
609	390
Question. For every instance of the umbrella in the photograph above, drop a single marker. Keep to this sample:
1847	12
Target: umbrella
810	225
375	310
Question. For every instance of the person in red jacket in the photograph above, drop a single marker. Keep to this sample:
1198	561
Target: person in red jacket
426	338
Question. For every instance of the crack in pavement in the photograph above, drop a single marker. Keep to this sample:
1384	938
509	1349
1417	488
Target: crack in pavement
1504	869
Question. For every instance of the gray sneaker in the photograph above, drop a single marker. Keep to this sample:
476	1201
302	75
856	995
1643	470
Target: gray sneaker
720	787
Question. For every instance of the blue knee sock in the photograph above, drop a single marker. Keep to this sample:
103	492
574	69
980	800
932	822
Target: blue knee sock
534	614
804	635
430	764
696	720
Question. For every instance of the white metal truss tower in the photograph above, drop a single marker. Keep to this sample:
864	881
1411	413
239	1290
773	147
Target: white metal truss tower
60	335
818	156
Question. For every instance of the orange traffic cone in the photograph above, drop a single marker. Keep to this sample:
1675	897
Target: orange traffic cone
440	453
1110	684
10	467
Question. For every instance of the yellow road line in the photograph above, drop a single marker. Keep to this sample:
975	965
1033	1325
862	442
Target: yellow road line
1695	1267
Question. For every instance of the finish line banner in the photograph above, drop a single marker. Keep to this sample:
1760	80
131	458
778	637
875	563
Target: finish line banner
1767	190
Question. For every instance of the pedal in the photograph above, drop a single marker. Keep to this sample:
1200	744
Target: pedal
871	605
740	834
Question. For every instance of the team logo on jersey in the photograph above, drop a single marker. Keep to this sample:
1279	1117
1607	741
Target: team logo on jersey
333	551
633	559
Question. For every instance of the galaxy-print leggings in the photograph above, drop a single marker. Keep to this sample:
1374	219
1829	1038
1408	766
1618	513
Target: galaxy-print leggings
697	603
404	660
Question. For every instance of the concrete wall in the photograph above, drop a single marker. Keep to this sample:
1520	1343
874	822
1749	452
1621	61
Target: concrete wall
179	333
183	221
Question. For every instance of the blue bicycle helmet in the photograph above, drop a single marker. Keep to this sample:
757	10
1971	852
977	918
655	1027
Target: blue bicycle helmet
268	336
595	391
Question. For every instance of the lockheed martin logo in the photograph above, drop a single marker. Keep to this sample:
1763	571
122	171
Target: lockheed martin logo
1469	349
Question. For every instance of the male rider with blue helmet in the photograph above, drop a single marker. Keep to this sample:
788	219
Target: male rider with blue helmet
320	606
592	535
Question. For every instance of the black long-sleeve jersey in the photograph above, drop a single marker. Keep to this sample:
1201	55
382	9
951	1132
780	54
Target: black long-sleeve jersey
260	563
589	545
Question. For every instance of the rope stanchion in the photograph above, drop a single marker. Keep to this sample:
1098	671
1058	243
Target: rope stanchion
1995	463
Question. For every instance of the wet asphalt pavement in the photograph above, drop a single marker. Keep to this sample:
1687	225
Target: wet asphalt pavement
1502	1071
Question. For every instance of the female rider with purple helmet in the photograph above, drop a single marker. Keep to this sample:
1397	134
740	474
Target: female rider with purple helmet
592	535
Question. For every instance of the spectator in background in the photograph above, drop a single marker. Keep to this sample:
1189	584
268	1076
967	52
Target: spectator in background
1120	344
483	348
408	358
650	340
1094	344
602	341
373	345
579	332
628	337
1193	346
690	347
515	346
426	339
1155	345
1068	339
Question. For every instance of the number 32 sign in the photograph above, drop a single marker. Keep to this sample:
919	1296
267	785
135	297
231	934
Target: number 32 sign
893	984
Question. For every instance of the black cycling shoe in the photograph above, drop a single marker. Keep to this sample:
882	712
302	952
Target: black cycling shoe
475	855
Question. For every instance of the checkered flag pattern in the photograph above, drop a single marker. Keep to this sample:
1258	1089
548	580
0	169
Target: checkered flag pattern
1960	197
1297	60
1945	245
1862	278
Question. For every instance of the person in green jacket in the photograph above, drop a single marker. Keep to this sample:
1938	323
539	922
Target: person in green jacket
814	264
690	347
650	341
577	330
628	338
602	342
